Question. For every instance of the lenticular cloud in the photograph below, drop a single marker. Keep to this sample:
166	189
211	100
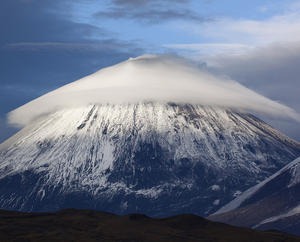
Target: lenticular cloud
150	78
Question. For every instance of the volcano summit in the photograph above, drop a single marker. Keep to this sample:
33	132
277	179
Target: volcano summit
153	135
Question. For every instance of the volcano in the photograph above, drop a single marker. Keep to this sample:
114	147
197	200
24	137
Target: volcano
150	156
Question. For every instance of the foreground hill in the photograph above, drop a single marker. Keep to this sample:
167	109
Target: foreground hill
272	204
88	225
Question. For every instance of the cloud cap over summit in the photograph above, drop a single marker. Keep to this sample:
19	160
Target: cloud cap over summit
159	78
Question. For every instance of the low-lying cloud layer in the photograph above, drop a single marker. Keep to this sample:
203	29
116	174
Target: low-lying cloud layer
151	78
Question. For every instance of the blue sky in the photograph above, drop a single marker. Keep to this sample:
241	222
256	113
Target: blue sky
46	44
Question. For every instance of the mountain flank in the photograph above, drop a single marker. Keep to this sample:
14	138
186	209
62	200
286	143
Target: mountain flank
159	159
271	204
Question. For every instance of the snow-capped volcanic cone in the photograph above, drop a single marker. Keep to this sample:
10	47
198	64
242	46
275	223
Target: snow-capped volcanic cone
154	135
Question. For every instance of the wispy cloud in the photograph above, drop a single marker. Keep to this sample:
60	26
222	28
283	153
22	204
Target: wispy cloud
111	44
236	35
135	3
272	69
275	29
151	12
211	49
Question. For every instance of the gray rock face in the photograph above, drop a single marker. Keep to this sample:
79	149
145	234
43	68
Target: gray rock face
158	159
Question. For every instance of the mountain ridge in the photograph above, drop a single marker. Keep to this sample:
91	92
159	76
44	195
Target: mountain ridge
273	203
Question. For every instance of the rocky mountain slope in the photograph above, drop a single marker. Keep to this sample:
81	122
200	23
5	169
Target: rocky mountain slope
272	204
154	158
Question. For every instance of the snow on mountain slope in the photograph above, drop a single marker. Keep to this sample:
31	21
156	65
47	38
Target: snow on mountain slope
271	204
150	157
293	168
291	212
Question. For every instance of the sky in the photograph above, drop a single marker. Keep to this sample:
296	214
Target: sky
47	44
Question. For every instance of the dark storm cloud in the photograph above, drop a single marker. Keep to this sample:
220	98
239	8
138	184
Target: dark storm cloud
151	12
42	49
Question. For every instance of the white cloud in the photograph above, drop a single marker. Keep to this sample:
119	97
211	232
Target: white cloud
5	131
227	35
151	78
211	49
284	27
273	70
